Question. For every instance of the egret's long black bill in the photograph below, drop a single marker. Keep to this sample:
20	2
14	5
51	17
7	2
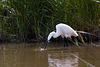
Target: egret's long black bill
46	44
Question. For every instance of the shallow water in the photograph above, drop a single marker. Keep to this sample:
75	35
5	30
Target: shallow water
32	55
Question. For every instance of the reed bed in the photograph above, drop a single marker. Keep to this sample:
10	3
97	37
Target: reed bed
33	20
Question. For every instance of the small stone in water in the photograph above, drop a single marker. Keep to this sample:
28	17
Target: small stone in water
42	49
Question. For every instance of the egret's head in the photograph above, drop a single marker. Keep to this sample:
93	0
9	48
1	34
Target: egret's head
50	35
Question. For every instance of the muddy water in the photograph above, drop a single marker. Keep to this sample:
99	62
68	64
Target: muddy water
32	55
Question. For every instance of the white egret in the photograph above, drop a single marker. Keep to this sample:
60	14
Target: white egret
62	30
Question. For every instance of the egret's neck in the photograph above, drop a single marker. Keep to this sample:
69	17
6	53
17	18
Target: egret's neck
55	35
51	35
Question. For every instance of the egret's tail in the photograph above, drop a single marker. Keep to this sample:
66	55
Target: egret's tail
88	33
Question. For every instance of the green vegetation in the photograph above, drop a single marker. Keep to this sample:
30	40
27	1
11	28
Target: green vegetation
35	19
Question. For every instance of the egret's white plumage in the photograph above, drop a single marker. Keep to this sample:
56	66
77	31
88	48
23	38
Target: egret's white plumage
62	30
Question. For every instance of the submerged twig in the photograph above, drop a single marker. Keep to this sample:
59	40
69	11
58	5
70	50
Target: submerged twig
95	45
75	43
82	39
83	60
88	33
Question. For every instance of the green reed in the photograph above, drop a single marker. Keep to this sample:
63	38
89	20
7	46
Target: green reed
35	19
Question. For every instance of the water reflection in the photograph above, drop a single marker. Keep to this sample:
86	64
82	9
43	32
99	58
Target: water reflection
29	55
22	57
62	60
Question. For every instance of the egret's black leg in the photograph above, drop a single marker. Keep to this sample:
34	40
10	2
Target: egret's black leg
73	38
64	41
77	38
67	43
